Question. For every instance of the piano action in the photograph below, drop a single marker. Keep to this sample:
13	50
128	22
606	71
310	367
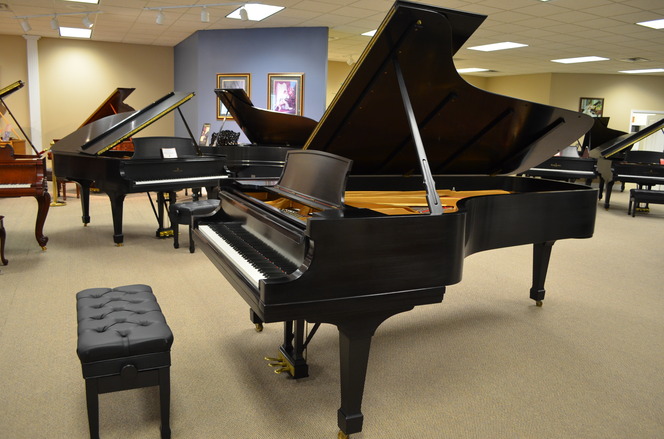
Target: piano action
403	177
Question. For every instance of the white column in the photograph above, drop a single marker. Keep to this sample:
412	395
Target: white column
34	96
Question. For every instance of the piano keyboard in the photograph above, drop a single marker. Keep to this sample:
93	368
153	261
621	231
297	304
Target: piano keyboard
179	180
254	258
640	177
565	171
15	186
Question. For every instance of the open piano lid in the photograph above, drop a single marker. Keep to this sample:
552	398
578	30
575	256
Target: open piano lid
614	146
464	130
265	127
103	134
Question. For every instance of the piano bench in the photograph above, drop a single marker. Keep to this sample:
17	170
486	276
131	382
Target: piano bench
187	213
123	343
637	196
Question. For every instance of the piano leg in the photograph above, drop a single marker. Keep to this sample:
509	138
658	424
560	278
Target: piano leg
541	256
117	205
2	242
609	188
43	202
354	345
85	200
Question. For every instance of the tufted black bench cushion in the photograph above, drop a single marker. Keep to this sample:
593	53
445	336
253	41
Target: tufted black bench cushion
187	213
124	343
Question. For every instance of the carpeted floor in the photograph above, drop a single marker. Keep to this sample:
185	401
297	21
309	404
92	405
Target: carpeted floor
486	363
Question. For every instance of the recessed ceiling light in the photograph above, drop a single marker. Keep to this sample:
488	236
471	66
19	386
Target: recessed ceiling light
498	46
580	59
472	70
655	24
643	71
254	12
75	32
94	2
371	33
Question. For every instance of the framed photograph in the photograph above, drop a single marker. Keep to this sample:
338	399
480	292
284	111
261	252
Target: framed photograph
231	80
592	106
205	135
285	92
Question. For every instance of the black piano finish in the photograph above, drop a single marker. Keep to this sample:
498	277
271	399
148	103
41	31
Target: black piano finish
404	128
85	156
644	168
567	169
272	135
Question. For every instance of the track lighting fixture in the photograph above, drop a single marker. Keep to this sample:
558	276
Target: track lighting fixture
205	16
86	22
244	16
25	25
54	23
160	17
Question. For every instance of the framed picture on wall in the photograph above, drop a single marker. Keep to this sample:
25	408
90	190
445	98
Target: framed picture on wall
285	92
231	80
592	106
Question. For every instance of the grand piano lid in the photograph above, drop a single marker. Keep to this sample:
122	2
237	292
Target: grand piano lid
613	147
103	134
11	88
464	130
113	104
265	127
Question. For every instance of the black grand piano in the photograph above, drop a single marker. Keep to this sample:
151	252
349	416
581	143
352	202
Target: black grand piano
161	164
405	175
645	168
272	135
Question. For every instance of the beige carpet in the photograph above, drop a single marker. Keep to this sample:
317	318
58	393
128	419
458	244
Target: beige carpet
486	363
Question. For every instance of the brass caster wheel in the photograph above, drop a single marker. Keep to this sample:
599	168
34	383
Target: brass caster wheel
342	435
538	303
259	327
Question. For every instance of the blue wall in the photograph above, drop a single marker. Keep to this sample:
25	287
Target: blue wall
199	58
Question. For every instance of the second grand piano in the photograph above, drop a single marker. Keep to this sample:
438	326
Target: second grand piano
377	213
162	164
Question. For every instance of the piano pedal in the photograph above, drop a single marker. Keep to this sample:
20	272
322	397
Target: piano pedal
165	233
282	364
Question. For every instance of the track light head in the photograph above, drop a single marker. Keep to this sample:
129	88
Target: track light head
244	16
54	23
86	22
205	15
160	17
25	25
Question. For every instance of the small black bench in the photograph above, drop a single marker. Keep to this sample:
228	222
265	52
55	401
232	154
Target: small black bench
123	343
187	213
637	196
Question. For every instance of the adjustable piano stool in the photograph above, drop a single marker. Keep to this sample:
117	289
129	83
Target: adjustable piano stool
123	343
187	213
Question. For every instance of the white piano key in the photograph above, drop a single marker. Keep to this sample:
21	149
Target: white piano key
245	266
15	185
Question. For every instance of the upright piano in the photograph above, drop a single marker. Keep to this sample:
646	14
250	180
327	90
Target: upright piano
272	135
161	164
403	177
645	168
24	175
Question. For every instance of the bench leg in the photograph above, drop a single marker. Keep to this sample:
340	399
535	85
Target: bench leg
92	398
165	401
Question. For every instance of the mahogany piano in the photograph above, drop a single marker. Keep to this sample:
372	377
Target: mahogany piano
407	173
161	164
24	175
